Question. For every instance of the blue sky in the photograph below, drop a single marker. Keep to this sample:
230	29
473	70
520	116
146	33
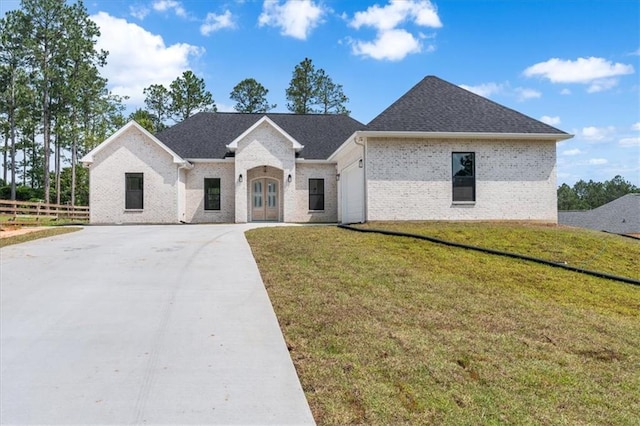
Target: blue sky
573	64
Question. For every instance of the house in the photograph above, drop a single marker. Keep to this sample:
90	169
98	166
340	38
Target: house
439	152
620	216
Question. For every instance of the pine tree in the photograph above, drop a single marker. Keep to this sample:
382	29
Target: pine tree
250	97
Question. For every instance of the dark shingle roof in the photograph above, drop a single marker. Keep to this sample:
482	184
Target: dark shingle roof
621	216
434	105
206	134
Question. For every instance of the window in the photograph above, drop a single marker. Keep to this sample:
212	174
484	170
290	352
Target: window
212	193
316	194
464	176
134	191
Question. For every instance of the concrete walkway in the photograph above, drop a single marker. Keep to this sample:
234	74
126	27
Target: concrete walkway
142	325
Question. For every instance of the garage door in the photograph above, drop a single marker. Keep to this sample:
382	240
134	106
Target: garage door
352	194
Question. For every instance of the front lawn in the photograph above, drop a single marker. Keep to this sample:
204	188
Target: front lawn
388	330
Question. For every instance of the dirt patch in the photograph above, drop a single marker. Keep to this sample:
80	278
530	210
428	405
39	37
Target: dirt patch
14	230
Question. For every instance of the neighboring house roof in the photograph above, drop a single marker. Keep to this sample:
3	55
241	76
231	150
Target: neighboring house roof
621	216
89	158
434	105
207	134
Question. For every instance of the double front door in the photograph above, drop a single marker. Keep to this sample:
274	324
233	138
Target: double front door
264	199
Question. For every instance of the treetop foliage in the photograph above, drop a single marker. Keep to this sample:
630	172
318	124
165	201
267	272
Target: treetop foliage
250	97
185	96
311	91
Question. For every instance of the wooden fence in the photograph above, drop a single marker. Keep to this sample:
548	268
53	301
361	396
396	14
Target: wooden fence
26	211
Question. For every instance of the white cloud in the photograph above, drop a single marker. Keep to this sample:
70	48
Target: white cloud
629	142
571	152
215	22
524	93
388	17
565	92
551	121
598	73
139	12
393	43
636	126
485	89
597	161
295	18
167	5
489	89
138	58
598	134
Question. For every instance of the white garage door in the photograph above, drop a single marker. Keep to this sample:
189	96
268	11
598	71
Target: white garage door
352	194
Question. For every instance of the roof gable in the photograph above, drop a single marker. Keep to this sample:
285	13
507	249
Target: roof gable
89	157
234	144
434	105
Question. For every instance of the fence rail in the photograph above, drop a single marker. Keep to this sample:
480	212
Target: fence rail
20	211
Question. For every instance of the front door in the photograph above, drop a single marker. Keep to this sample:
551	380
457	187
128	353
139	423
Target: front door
264	199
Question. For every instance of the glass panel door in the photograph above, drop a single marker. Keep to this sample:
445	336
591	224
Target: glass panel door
264	199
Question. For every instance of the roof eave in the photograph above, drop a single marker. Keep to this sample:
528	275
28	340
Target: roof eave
88	159
466	135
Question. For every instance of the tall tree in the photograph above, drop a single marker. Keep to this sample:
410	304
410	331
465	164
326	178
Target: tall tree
311	90
158	102
14	83
188	96
45	44
250	97
330	96
60	47
302	90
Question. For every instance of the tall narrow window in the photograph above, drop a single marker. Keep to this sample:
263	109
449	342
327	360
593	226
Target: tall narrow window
134	191
212	193
316	194
464	176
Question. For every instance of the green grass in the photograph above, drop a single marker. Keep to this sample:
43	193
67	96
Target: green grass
586	249
35	235
27	220
387	330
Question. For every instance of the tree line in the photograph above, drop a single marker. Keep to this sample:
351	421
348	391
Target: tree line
311	91
55	106
589	195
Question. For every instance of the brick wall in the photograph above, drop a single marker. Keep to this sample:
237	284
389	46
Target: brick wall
194	193
133	152
300	211
412	180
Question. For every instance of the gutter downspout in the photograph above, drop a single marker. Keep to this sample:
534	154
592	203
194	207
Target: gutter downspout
364	180
180	190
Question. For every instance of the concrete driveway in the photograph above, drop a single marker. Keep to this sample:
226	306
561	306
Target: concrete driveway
142	325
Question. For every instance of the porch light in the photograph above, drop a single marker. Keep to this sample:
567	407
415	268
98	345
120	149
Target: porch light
338	176
360	163
289	178
240	178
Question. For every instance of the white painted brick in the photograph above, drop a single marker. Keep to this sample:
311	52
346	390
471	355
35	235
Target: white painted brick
411	180
133	152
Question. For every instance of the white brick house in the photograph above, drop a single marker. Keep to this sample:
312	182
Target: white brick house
438	153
